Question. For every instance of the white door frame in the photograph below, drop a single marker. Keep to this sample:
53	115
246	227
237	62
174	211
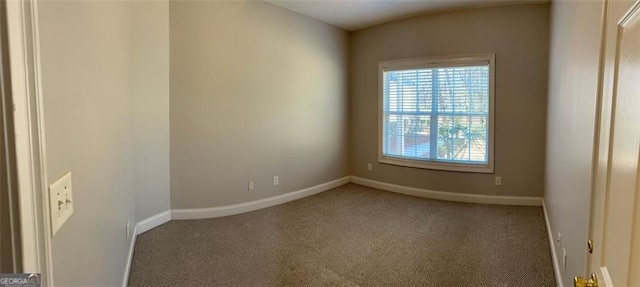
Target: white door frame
22	22
601	138
604	125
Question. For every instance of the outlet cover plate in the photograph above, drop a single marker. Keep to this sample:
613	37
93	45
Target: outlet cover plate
61	202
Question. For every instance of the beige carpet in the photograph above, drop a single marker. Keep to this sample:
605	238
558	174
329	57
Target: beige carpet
351	236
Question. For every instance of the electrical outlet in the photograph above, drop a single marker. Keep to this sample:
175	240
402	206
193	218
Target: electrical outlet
559	240
276	180
564	259
60	202
369	167
252	185
498	180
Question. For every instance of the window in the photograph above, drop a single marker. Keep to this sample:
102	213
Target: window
437	113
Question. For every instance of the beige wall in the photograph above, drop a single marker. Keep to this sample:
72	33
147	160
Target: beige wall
149	62
105	78
518	35
256	91
85	80
573	76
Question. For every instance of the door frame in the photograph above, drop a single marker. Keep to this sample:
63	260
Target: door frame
30	138
602	133
605	112
9	205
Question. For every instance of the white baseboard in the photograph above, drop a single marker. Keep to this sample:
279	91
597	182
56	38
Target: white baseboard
141	227
450	196
153	222
125	280
201	213
606	276
552	244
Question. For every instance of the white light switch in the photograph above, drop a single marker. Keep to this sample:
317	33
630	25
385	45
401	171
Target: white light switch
61	202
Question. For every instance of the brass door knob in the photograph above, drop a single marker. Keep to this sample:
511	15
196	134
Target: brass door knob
584	282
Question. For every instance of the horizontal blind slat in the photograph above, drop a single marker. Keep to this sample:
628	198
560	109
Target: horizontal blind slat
462	95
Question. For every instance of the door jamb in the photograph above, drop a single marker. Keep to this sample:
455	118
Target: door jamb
597	141
29	123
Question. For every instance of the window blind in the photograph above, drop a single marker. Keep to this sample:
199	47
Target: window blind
437	114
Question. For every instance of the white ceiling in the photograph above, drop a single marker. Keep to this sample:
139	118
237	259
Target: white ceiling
353	15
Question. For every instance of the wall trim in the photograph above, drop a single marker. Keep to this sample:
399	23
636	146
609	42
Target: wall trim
606	276
142	227
220	211
24	48
127	270
450	196
153	222
552	245
213	212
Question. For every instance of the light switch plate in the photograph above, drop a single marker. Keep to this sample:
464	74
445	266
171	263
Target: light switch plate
61	202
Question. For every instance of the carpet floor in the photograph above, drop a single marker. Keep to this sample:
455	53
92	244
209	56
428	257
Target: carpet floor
351	236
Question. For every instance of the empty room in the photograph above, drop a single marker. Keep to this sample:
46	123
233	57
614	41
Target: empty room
320	143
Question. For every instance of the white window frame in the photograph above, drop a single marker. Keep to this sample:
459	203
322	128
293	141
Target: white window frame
437	62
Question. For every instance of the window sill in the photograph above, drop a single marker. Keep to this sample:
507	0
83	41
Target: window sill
434	165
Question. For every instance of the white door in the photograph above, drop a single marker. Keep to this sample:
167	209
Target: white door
616	208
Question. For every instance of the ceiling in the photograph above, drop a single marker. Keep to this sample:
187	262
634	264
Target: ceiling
354	15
